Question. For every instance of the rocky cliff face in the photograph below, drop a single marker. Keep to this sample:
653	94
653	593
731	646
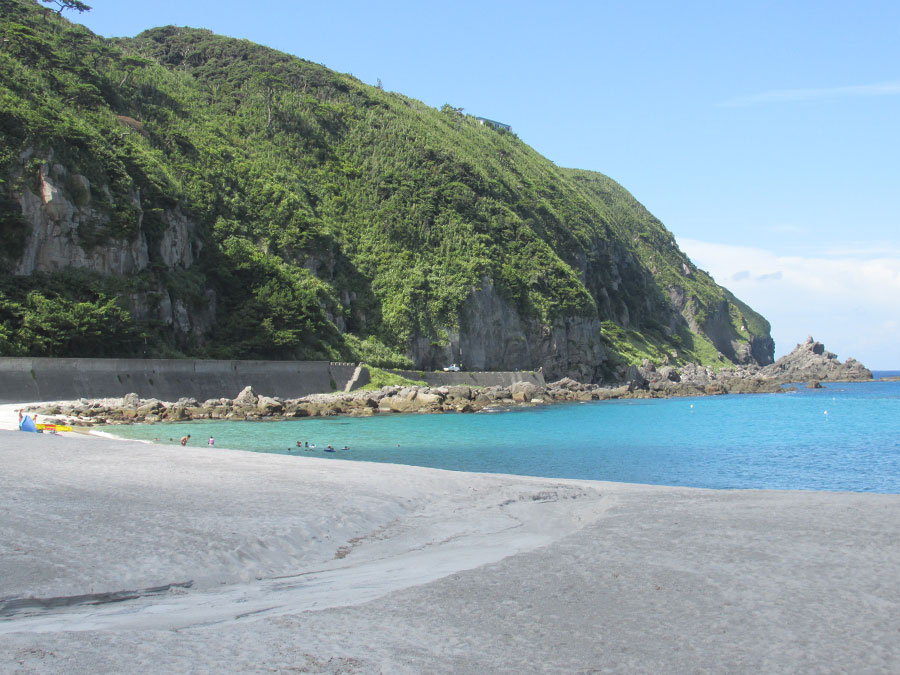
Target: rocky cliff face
65	220
492	335
64	209
736	343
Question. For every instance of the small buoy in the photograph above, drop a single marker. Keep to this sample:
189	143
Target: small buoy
826	413
692	405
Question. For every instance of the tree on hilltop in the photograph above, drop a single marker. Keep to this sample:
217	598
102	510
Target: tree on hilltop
68	4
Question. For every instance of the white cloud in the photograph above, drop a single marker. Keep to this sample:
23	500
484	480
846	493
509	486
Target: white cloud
861	250
850	302
782	95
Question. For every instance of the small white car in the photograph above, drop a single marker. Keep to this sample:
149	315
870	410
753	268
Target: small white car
452	368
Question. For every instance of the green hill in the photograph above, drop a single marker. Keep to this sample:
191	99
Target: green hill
187	194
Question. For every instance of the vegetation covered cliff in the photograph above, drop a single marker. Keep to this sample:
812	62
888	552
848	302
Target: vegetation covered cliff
184	193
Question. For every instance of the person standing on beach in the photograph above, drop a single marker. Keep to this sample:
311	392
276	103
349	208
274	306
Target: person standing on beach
184	440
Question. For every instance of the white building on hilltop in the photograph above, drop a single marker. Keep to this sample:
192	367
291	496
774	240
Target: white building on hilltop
499	126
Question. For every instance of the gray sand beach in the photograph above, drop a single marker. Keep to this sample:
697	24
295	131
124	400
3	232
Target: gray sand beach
127	557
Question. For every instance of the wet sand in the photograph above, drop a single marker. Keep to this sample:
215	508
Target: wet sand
126	557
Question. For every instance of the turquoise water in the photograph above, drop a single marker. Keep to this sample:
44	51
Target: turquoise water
779	441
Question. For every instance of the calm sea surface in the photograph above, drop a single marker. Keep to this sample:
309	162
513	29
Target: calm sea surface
843	437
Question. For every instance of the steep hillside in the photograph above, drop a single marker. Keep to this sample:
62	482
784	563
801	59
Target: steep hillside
183	193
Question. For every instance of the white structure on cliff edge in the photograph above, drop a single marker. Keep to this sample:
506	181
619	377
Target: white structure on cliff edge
499	126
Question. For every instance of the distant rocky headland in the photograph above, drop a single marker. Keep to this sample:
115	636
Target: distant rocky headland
809	364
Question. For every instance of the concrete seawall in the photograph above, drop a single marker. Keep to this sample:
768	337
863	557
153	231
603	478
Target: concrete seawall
49	379
474	378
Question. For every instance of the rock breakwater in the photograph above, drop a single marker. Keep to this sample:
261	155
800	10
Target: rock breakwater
809	363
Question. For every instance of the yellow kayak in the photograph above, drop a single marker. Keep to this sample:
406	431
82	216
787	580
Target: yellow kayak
53	427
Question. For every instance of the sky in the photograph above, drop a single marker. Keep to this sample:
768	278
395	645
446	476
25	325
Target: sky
764	135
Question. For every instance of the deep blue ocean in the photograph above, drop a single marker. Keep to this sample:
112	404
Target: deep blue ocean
842	437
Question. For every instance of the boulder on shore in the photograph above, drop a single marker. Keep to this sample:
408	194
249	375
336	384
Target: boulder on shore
522	392
247	397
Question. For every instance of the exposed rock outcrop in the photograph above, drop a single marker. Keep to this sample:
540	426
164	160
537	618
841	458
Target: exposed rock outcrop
811	361
735	343
69	223
493	335
61	217
69	214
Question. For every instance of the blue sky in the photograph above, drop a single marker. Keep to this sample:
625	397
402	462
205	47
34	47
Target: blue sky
764	135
